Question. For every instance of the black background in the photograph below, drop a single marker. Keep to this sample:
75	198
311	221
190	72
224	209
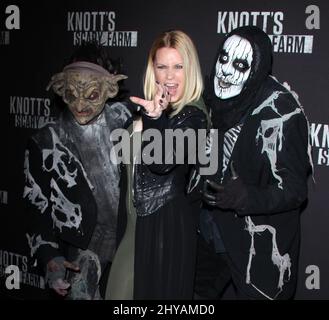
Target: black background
42	44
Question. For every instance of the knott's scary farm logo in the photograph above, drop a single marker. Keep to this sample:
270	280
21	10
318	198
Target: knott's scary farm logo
272	22
320	143
98	26
30	112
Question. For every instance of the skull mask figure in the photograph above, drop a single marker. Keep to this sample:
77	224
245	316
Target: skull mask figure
232	67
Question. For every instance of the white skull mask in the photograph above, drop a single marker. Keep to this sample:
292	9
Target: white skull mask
232	67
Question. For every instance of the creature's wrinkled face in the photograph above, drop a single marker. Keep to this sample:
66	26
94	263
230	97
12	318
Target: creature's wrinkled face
233	67
85	94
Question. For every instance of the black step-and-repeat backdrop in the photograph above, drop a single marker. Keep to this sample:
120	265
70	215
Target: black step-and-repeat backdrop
37	37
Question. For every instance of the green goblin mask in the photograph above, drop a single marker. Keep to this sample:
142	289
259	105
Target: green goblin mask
85	87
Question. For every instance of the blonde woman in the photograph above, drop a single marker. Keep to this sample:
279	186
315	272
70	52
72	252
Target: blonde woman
164	245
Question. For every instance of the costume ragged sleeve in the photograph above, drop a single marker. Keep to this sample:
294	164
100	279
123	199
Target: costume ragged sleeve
285	147
41	238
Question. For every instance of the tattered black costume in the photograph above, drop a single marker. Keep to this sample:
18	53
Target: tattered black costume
256	229
72	192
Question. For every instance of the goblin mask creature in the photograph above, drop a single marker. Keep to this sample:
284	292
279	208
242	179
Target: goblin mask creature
85	87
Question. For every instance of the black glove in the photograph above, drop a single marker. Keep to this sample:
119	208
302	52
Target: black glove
233	195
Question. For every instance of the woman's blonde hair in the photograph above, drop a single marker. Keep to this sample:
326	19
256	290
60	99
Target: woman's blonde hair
193	78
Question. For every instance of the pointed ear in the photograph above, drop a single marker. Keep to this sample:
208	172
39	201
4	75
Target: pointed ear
112	84
57	83
118	77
